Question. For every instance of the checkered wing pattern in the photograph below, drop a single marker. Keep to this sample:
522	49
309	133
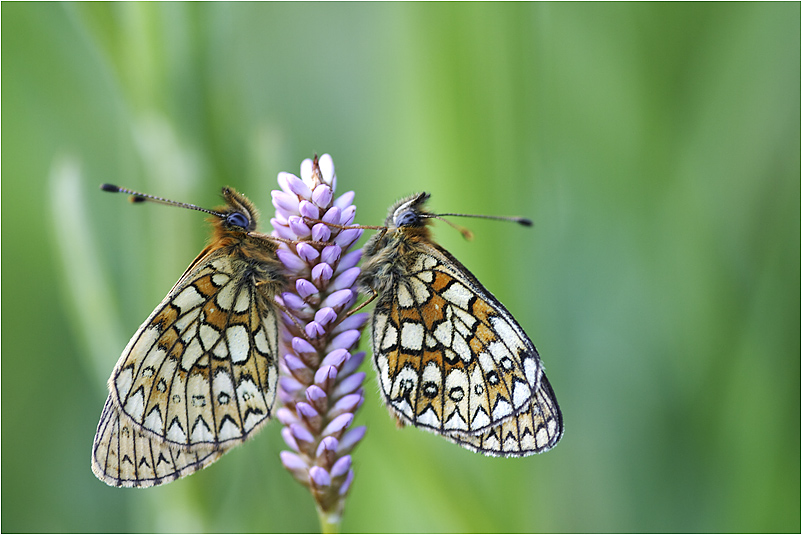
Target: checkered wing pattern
199	376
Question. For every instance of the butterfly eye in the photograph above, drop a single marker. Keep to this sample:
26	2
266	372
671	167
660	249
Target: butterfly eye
237	220
407	219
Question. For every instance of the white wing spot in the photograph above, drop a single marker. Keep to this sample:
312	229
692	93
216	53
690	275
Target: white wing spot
507	333
124	381
461	347
419	290
426	276
404	297
480	419
228	431
531	371
184	322
188	298
176	434
243	300
154	420
443	333
208	335
246	390
390	337
458	294
135	405
429	418
220	350
261	342
201	432
222	387
238	343
220	279
521	393
192	353
412	336
225	297
502	410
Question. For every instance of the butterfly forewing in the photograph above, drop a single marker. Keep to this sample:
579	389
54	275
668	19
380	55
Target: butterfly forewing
201	369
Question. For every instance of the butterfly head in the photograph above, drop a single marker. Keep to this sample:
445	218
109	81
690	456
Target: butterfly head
409	213
238	215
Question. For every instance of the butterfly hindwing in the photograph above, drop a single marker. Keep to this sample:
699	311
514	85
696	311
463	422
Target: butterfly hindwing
450	357
201	369
123	455
535	430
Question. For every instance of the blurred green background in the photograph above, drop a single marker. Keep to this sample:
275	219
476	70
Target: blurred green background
656	147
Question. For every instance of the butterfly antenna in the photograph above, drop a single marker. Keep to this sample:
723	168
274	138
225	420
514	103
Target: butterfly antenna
137	197
467	234
520	220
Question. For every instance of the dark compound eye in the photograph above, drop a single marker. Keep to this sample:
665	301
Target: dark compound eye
407	219
237	219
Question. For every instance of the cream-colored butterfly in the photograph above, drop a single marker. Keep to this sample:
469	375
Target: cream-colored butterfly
450	358
199	376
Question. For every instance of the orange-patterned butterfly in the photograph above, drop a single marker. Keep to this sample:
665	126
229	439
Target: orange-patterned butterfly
450	358
199	376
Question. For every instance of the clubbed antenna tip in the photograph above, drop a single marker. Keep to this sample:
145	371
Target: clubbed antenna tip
110	187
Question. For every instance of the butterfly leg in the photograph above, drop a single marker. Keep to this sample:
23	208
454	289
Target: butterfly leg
363	305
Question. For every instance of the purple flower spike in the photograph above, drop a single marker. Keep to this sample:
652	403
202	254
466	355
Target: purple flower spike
331	254
353	363
319	476
292	461
350	260
298	227
320	387
347	483
346	339
346	279
290	260
321	232
325	315
336	358
314	330
309	210
284	202
322	196
294	185
347	216
305	288
307	254
322	273
341	467
344	200
328	450
332	216
338	424
338	299
350	439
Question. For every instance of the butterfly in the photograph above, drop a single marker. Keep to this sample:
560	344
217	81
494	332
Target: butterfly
450	358
199	375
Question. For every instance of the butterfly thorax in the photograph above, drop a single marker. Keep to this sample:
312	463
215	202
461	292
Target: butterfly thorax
390	254
233	237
